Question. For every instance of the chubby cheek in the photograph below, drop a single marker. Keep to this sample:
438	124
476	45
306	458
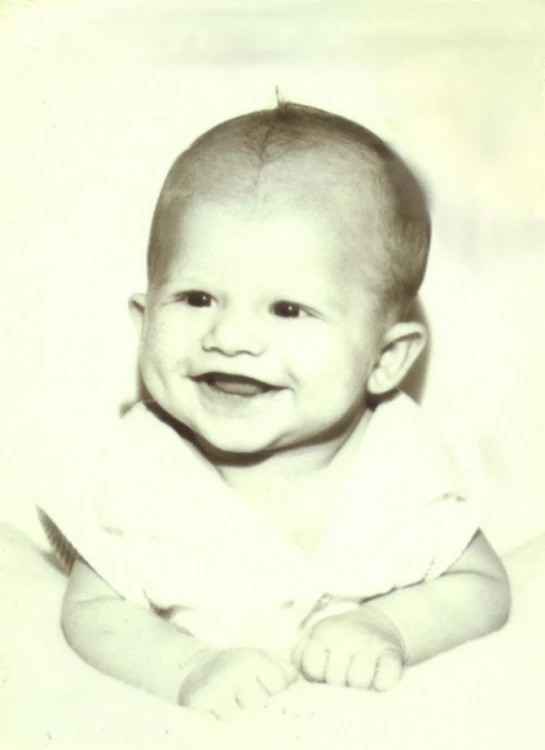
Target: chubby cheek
162	340
332	367
159	353
152	348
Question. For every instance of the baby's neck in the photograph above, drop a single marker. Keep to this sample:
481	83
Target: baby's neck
301	465
299	496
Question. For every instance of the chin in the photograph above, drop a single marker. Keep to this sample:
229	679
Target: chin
234	447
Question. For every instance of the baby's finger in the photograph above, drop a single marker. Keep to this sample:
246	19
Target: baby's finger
298	650
337	666
289	670
252	695
275	677
361	671
388	672
220	704
314	660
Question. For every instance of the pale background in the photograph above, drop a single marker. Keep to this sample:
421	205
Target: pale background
97	98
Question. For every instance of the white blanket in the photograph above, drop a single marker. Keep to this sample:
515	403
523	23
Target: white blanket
486	694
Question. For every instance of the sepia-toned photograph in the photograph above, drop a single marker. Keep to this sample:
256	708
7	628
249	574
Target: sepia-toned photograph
272	278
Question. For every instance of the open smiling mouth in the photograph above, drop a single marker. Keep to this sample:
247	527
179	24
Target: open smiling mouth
235	385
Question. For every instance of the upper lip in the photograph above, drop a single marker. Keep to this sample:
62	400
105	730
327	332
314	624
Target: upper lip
231	377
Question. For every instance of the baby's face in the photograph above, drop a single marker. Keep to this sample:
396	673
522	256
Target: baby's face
260	334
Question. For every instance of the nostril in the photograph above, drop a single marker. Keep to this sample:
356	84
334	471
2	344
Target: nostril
233	335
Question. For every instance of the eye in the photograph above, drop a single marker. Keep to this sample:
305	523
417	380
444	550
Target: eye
195	298
284	309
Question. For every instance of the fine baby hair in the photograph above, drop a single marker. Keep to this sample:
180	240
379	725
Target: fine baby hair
297	153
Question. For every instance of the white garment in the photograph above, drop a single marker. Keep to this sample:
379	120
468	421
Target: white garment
160	525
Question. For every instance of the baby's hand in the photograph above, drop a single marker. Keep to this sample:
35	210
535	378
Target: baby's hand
223	682
360	648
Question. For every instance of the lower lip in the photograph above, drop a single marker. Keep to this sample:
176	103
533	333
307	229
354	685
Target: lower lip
220	398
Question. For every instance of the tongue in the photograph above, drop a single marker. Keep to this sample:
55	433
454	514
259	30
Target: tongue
237	386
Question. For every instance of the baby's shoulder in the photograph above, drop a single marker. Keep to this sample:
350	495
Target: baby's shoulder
403	457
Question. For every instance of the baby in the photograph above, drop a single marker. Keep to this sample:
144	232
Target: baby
276	509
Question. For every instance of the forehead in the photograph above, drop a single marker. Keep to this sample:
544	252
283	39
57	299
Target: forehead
308	239
338	186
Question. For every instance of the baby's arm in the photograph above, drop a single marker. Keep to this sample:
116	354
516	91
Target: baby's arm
368	647
135	645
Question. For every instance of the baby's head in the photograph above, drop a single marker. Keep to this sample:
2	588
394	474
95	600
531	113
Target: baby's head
285	250
297	156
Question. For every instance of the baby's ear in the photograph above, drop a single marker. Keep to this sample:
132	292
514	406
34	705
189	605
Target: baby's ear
401	348
137	309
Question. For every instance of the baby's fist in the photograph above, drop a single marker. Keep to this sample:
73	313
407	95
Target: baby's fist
360	648
222	682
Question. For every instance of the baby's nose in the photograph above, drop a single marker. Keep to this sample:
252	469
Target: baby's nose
234	332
